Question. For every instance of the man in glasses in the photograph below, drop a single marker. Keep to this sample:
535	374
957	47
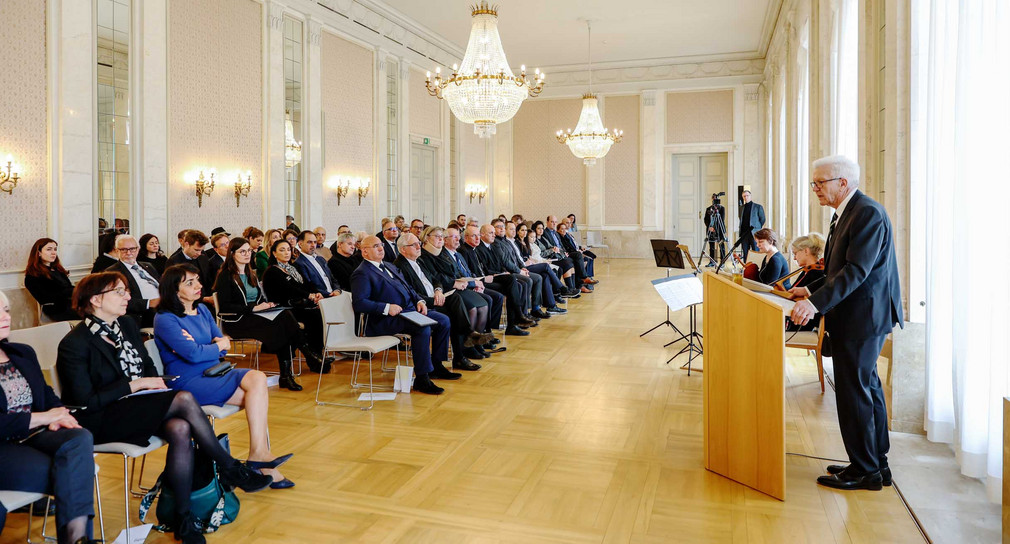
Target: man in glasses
142	279
860	300
390	232
752	219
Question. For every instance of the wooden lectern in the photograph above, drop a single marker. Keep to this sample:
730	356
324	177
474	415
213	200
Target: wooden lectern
744	386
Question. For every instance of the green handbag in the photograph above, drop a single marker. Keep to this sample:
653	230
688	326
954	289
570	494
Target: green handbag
210	504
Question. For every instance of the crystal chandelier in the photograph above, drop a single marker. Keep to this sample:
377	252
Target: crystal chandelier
484	91
590	141
292	147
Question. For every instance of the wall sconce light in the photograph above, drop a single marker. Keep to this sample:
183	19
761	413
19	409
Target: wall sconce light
203	186
476	190
8	178
343	186
242	187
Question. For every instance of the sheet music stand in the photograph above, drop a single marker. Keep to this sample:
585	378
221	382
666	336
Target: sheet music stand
667	254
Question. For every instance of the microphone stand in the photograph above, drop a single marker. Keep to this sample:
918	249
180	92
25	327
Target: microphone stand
729	254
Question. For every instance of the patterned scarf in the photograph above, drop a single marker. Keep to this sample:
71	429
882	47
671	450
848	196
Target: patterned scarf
290	270
129	358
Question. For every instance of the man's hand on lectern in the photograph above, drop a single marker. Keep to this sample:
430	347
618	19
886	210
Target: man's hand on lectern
802	312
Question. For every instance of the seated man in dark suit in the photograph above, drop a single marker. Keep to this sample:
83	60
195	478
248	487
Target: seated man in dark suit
142	278
213	259
503	283
390	232
462	333
313	267
192	248
557	245
493	262
551	282
344	260
514	264
381	292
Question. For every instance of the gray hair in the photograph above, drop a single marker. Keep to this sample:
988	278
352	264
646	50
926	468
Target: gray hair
4	302
402	241
347	236
434	229
814	242
839	166
122	237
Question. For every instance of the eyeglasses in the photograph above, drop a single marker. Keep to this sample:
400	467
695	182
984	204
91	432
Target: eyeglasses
414	245
243	251
390	229
128	249
121	291
438	236
815	185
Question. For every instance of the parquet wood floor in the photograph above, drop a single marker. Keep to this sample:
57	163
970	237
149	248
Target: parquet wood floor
579	433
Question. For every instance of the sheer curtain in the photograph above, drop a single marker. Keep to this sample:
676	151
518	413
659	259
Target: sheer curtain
964	81
845	77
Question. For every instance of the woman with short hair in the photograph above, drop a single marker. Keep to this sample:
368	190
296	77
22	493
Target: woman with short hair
774	265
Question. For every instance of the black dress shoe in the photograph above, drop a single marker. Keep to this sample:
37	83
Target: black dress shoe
845	481
465	364
423	384
490	348
494	341
885	473
441	373
288	382
472	353
540	314
245	478
516	331
555	310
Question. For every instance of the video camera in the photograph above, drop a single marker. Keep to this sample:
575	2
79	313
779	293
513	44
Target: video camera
715	197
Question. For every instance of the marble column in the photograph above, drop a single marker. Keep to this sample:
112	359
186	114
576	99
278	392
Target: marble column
149	63
273	111
380	184
651	189
312	151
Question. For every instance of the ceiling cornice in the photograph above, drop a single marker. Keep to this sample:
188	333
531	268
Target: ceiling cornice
769	26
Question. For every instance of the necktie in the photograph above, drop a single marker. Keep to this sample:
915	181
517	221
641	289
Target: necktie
460	265
386	270
831	232
143	275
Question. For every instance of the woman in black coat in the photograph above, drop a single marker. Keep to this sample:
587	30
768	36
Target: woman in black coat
284	285
774	265
240	297
102	362
43	447
150	252
48	281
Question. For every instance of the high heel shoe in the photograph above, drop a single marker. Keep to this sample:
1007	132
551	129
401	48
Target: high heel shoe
259	465
243	477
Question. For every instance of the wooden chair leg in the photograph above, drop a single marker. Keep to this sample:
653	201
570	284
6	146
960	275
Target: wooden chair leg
820	370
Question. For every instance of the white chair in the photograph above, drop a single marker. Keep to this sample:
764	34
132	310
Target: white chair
45	340
338	327
12	500
594	240
212	411
812	341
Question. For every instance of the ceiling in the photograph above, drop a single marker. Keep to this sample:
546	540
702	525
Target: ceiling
552	33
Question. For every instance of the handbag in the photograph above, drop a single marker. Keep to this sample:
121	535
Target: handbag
219	369
210	504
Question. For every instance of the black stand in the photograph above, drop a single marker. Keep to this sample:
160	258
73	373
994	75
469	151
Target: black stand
694	348
715	222
667	255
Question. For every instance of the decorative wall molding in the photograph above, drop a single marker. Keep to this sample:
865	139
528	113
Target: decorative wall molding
663	72
752	92
276	15
315	31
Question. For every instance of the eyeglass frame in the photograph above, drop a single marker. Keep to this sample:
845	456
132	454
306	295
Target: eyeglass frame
121	291
815	185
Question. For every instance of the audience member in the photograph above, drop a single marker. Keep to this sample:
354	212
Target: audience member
142	281
342	229
239	297
292	238
263	255
417	227
49	282
213	259
390	232
313	267
107	253
289	224
554	246
256	240
43	447
178	250
284	285
190	343
501	282
571	247
102	361
550	283
530	249
445	260
321	248
381	292
493	237
399	221
344	260
151	253
192	247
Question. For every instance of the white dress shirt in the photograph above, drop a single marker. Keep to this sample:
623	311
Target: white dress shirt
322	274
429	289
148	290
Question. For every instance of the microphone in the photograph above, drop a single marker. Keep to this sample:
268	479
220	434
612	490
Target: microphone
728	254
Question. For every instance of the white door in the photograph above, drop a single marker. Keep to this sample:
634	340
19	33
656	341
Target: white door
695	179
422	183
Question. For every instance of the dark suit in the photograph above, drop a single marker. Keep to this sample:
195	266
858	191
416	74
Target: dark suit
573	253
507	255
373	289
453	307
752	219
201	265
102	262
137	307
52	462
210	264
312	277
390	249
861	302
492	263
494	298
341	268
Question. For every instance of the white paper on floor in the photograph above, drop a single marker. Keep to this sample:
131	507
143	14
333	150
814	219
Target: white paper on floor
376	396
138	534
273	381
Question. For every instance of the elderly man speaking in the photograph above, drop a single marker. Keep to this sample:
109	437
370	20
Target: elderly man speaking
861	301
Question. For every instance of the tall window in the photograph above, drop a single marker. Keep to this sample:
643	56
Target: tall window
453	167
113	30
292	118
392	136
802	222
845	61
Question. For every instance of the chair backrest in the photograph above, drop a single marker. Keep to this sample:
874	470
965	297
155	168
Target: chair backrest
217	311
45	340
152	350
594	238
337	309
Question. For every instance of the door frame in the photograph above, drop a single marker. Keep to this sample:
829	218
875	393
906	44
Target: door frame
440	185
669	151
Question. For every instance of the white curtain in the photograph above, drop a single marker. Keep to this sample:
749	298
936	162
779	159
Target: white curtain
964	81
845	77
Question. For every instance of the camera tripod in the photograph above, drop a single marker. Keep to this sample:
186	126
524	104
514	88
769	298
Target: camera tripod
716	223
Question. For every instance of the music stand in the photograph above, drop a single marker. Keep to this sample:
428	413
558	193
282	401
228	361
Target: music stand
667	254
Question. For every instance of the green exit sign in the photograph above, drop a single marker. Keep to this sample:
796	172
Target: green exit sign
426	141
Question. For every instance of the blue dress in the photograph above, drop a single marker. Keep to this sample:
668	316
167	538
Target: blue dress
188	359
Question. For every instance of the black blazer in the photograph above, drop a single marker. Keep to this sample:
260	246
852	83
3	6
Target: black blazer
773	268
507	255
137	305
283	289
473	261
159	263
490	259
861	294
210	264
390	254
201	265
102	263
231	298
342	267
53	293
441	271
412	278
15	426
90	372
752	218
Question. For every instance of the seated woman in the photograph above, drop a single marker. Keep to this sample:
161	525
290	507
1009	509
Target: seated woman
284	285
102	361
48	281
345	259
190	343
44	449
774	265
150	252
807	251
263	256
292	237
239	296
531	251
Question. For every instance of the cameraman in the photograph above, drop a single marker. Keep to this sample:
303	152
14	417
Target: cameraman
715	221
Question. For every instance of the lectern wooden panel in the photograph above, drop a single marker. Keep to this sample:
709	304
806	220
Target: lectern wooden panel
744	386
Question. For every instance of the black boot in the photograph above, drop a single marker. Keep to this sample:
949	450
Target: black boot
287	380
240	476
189	530
313	360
